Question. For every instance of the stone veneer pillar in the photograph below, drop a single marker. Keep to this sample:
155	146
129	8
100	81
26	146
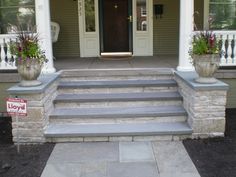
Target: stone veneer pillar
205	104
40	103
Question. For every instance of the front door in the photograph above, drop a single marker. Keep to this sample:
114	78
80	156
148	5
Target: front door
116	25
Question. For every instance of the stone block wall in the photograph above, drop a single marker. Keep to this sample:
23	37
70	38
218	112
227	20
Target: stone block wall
39	105
205	104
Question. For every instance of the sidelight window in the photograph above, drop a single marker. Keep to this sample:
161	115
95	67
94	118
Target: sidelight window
90	15
141	12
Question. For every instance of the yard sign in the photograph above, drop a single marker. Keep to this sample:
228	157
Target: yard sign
16	107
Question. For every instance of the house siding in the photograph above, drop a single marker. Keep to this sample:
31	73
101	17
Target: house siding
231	96
166	29
65	13
198	17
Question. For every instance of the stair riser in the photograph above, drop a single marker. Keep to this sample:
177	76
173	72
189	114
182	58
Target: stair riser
116	90
118	72
117	120
105	78
118	138
116	104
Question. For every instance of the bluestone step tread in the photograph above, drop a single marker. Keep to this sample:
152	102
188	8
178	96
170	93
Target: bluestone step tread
117	112
122	129
99	97
118	84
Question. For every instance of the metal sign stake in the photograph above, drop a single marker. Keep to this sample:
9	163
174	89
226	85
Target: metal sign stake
17	133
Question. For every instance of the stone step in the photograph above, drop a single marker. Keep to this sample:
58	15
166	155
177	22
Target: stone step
119	114
117	99
116	74
70	130
111	86
118	84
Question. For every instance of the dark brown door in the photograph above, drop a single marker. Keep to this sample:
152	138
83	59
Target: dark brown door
115	26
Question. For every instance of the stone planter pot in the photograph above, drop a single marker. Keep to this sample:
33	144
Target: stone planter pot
29	72
206	66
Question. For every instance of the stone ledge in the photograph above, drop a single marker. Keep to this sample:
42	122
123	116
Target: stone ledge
46	79
188	78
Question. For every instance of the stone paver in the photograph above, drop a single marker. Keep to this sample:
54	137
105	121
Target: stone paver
136	151
93	169
172	158
134	169
85	152
62	170
120	159
179	174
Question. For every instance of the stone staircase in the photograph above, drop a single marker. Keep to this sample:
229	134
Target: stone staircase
107	105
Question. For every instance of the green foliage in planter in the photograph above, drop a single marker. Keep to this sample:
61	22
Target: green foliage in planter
205	42
27	48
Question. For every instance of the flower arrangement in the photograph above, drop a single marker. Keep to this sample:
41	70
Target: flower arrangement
26	48
204	42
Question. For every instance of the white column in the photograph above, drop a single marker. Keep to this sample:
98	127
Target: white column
186	29
44	30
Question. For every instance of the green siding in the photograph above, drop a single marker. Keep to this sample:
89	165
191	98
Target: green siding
65	13
231	97
198	17
166	29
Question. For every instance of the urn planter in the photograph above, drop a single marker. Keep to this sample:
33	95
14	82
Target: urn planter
29	72
206	66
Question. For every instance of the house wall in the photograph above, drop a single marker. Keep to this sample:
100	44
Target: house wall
231	96
199	13
65	13
166	29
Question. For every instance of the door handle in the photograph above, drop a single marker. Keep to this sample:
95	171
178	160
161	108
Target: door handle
130	18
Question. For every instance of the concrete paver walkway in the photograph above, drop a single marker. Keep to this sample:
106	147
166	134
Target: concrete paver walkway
120	159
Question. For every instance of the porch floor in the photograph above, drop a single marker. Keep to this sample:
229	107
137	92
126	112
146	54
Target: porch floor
160	61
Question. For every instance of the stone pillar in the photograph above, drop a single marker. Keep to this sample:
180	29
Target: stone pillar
186	29
43	20
39	105
204	103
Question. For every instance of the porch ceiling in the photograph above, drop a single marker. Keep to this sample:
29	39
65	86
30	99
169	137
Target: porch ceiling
161	61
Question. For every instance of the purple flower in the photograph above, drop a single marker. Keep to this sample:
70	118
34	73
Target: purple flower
19	49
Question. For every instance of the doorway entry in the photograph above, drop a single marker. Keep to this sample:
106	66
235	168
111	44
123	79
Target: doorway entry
115	19
115	27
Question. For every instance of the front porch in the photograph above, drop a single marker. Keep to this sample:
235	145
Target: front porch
160	61
166	35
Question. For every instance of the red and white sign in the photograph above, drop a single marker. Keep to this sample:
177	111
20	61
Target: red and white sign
16	106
